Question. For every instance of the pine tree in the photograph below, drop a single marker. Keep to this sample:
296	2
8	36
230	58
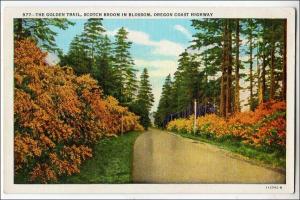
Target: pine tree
103	70
165	103
41	31
145	99
91	52
208	40
272	54
77	57
92	38
125	79
85	48
180	91
187	82
278	59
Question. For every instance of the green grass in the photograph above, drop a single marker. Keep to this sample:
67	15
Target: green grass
272	159
111	162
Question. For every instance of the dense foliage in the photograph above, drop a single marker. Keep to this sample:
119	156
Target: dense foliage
110	63
228	57
266	126
59	116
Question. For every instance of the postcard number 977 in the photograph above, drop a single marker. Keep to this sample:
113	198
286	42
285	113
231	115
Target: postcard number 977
26	14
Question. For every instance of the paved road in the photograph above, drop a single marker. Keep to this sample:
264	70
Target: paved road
162	157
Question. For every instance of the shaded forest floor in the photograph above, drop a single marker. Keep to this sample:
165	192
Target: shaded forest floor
275	160
111	162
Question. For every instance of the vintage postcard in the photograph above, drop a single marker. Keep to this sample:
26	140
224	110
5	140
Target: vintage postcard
149	100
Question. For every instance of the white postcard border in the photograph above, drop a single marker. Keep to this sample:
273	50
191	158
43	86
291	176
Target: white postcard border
10	187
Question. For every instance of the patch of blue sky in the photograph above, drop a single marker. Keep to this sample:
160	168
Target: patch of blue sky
158	29
140	51
64	37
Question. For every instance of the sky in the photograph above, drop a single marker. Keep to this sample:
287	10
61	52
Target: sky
156	44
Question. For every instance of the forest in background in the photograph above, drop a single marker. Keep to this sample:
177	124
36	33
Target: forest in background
225	58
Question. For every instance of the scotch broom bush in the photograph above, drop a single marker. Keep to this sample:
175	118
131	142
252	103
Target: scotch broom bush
265	127
58	116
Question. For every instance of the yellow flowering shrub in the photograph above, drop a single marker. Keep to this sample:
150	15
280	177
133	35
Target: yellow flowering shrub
58	116
264	126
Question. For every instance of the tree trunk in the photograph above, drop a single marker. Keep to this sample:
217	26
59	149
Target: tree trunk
251	70
229	70
237	67
259	85
224	70
263	77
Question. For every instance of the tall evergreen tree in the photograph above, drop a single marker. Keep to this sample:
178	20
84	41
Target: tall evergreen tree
180	90
125	81
186	86
144	100
165	102
278	59
208	41
85	48
272	54
77	57
92	38
214	40
91	52
103	70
